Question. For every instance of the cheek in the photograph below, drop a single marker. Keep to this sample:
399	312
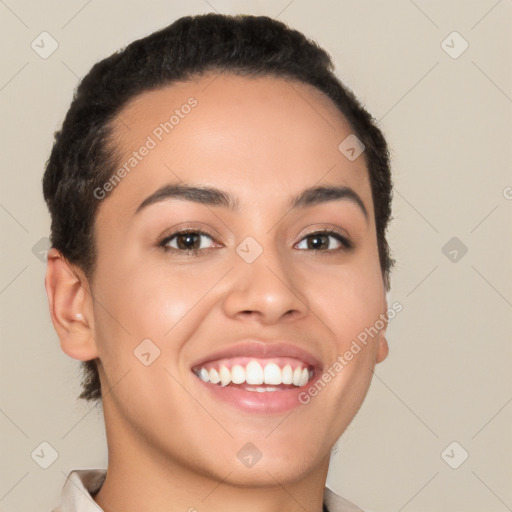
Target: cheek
352	309
141	299
144	318
348	300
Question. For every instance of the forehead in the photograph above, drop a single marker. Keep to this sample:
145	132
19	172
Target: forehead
260	137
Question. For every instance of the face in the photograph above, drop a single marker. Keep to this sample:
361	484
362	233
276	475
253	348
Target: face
253	278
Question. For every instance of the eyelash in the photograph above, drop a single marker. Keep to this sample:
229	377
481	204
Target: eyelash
347	245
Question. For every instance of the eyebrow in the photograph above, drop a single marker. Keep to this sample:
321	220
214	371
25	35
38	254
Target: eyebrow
215	197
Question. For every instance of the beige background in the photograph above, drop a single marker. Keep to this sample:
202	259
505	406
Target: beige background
448	121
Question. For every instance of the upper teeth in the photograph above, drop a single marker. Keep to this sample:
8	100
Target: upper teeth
253	373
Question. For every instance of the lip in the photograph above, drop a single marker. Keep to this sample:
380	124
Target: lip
260	349
269	402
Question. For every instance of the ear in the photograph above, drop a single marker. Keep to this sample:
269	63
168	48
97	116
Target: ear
382	342
71	309
382	349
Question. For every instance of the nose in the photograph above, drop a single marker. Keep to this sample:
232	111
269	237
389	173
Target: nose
267	289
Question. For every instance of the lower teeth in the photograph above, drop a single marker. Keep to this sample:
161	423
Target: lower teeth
260	390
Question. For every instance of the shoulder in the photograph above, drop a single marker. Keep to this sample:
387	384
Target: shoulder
82	483
78	489
335	503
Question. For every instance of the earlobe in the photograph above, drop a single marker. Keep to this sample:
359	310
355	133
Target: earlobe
383	346
382	349
70	307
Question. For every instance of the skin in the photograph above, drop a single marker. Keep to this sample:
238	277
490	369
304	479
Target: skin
171	446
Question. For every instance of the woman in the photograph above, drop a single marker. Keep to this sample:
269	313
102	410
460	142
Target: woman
219	263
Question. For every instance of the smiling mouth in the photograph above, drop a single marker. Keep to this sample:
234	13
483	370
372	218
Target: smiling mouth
258	375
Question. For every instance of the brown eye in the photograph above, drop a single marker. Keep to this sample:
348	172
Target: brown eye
185	241
322	241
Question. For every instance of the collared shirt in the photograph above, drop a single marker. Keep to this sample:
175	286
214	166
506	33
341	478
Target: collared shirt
81	484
